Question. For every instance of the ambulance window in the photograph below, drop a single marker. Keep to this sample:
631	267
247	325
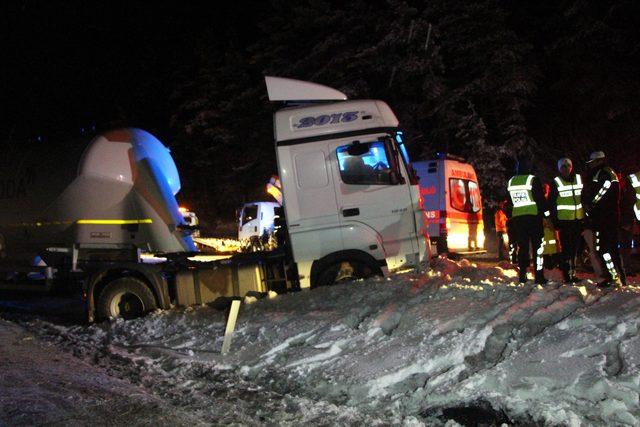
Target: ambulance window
465	195
474	197
458	194
249	213
369	168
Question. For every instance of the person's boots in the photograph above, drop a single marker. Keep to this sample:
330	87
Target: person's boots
606	283
623	277
522	276
540	280
572	276
566	276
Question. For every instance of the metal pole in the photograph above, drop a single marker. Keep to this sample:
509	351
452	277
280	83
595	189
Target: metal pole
231	325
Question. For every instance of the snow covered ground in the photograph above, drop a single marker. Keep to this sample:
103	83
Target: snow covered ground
459	341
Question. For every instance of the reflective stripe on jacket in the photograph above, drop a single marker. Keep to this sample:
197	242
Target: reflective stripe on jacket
568	202
608	180
635	183
520	191
550	241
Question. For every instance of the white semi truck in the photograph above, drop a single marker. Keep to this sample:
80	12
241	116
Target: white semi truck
85	215
256	225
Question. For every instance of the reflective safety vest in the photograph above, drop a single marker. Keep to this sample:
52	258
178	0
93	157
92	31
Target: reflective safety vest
568	202
520	191
635	183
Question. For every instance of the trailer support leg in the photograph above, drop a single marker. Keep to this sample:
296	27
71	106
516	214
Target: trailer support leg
231	325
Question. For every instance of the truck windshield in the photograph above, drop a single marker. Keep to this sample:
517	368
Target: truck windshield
464	195
249	213
370	168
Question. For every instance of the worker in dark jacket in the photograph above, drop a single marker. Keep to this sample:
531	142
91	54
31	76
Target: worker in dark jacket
528	205
628	201
602	207
567	215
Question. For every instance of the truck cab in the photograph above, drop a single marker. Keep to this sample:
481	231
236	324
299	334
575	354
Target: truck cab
350	198
256	223
453	206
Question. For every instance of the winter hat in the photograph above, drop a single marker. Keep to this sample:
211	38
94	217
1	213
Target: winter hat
565	161
524	165
595	156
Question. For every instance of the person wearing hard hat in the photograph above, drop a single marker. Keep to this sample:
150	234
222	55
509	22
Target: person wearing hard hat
567	215
602	208
528	205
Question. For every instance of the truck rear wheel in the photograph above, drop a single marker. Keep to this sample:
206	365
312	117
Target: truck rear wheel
126	298
345	271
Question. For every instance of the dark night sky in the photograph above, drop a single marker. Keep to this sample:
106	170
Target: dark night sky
74	64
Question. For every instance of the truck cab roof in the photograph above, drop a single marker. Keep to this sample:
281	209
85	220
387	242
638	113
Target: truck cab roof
330	120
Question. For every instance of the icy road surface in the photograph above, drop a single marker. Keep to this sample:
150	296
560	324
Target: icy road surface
410	350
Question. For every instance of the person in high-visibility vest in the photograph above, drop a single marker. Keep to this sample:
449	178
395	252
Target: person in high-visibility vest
603	210
567	214
528	205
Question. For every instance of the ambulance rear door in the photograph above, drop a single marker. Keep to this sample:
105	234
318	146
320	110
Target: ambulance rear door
463	216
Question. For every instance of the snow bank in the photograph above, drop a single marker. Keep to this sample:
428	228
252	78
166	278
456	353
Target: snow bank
401	350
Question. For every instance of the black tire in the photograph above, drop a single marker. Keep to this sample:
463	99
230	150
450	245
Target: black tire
345	271
126	298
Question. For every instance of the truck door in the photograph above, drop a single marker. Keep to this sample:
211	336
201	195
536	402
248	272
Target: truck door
374	199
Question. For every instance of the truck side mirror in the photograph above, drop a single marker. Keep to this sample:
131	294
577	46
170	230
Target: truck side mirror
414	179
396	178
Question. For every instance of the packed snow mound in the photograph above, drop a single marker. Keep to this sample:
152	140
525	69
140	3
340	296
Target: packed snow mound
405	349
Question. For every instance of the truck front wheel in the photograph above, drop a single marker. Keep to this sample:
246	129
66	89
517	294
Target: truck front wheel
126	298
344	271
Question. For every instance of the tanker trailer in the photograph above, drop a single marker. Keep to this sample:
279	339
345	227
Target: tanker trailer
68	213
85	215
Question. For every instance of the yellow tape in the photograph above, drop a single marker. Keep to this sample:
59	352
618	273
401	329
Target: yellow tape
115	221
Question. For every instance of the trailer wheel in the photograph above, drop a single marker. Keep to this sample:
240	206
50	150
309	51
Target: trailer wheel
126	298
345	271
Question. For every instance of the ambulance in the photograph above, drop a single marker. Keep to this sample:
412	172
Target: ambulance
450	195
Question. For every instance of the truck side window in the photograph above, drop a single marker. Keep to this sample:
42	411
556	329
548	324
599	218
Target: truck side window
249	213
370	168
